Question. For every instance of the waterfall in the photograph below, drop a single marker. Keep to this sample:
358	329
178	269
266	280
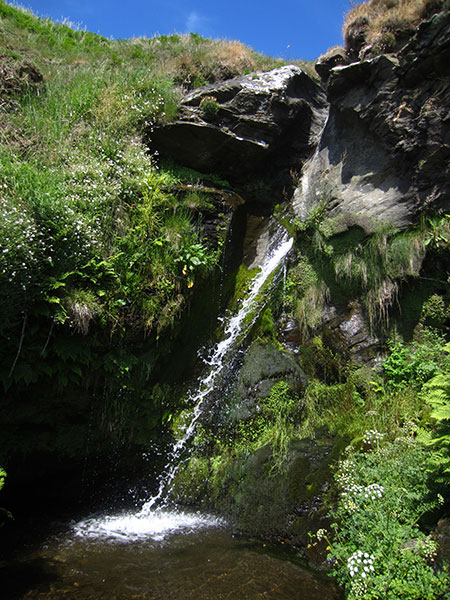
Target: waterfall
235	328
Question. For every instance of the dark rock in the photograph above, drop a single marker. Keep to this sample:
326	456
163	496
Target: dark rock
264	366
442	536
334	57
289	503
263	122
385	150
289	334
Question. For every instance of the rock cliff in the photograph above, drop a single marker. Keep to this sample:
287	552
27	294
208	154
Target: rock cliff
371	147
385	149
258	125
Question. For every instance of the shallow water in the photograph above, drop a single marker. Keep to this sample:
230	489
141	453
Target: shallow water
165	556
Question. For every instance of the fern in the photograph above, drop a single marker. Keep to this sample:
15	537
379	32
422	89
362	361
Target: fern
436	394
2	477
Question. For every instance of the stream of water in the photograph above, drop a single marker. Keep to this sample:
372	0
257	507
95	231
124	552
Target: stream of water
157	553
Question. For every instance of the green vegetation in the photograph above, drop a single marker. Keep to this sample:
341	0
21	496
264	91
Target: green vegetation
350	265
386	432
378	548
393	477
4	514
436	394
391	433
209	107
101	247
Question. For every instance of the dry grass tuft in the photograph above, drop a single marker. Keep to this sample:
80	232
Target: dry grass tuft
380	26
196	63
17	76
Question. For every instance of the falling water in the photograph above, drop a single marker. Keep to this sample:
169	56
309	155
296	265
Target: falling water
151	520
283	303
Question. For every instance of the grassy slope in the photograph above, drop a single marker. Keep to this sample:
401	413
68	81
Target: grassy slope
93	237
74	166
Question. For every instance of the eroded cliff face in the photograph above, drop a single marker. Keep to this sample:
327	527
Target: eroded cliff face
369	150
376	144
251	130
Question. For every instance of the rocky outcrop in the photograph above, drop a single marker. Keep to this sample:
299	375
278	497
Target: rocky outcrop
385	150
264	366
259	123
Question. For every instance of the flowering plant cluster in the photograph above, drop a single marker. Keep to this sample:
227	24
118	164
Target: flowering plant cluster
354	494
360	564
372	438
377	547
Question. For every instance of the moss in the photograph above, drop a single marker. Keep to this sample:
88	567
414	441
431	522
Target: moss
267	325
243	278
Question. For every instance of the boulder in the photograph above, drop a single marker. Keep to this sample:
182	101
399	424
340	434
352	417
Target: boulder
263	367
251	124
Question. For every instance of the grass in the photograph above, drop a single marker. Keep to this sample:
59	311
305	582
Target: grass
101	246
353	265
77	171
386	24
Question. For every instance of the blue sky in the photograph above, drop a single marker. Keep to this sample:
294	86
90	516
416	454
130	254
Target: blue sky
289	29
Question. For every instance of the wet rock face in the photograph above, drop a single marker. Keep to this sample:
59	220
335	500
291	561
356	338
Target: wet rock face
385	151
246	125
344	330
288	503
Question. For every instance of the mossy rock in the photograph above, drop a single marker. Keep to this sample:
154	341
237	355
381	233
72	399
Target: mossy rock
268	503
265	364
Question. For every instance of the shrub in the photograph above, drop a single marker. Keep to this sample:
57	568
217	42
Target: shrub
416	363
209	107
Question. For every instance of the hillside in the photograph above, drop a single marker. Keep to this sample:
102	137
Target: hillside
102	245
145	185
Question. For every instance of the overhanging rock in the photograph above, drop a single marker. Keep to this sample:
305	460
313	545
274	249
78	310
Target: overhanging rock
260	122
